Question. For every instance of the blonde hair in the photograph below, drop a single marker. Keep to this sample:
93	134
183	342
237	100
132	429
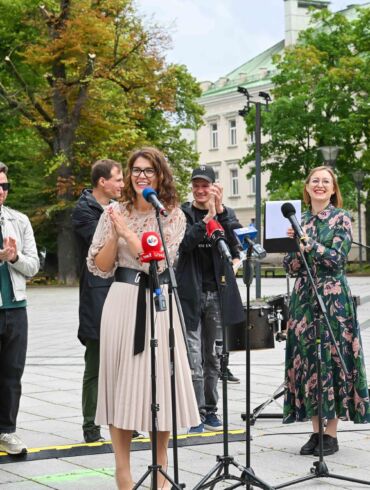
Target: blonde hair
335	199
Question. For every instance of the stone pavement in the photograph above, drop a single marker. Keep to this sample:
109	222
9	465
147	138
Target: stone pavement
50	413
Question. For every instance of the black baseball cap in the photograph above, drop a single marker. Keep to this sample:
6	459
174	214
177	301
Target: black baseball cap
204	172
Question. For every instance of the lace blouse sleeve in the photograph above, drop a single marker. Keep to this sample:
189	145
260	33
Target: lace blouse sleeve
174	230
103	232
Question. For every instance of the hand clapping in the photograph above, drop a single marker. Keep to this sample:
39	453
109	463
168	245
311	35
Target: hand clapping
9	252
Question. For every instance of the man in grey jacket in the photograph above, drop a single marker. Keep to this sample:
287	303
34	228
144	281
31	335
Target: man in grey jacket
18	261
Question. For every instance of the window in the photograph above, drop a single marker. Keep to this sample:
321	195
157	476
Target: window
217	175
253	184
234	182
252	135
214	136
232	132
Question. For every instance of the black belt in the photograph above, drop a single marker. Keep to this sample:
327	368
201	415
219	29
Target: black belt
140	279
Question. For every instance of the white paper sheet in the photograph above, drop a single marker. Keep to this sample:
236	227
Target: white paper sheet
276	225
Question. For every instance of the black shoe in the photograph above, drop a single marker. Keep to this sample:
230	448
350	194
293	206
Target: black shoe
310	445
137	435
93	435
330	446
231	378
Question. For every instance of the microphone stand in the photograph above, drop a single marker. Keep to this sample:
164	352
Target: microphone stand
172	292
221	469
154	468
319	468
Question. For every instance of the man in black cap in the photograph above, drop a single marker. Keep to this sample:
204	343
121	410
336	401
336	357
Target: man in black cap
199	271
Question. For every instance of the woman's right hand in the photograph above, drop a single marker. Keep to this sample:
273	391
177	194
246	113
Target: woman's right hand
119	222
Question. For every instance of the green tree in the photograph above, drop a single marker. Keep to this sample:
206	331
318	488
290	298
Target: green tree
85	80
320	98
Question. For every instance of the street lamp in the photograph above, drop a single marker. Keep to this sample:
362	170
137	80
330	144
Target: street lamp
329	154
243	112
358	177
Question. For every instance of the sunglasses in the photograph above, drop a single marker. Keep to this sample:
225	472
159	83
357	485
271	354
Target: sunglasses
5	186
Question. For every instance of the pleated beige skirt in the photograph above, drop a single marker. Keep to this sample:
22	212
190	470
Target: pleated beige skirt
124	393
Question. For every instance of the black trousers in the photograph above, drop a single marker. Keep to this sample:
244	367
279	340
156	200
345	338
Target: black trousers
13	348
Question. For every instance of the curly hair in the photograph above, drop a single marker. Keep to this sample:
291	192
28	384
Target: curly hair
166	185
336	199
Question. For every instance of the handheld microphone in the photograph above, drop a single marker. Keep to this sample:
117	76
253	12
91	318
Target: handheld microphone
216	234
288	211
246	237
151	196
152	253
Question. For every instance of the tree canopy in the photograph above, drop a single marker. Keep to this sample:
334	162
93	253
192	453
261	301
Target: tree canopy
320	96
82	80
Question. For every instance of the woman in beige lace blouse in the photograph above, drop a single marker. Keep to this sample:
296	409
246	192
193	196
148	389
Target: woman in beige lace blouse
124	394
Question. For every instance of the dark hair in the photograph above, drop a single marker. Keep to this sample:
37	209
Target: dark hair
336	198
3	168
166	186
103	168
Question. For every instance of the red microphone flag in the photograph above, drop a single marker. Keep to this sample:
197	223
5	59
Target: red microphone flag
152	247
213	226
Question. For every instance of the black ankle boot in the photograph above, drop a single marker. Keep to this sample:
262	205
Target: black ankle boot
310	445
330	446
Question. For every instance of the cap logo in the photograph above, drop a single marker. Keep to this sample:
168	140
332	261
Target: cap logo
203	168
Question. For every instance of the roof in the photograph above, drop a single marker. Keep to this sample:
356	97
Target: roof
259	70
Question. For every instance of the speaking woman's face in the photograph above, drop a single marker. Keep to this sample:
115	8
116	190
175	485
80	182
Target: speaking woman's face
143	174
320	187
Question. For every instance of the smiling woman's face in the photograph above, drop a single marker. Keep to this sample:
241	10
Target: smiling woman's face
143	175
320	187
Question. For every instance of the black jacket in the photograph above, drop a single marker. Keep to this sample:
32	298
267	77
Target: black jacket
93	289
189	272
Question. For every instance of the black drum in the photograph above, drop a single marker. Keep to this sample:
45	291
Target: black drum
261	333
280	308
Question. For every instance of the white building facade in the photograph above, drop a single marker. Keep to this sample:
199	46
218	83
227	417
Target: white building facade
222	140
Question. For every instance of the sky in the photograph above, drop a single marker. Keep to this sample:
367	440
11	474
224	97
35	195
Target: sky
213	37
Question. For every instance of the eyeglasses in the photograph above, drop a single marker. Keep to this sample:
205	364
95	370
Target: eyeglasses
316	181
5	186
148	172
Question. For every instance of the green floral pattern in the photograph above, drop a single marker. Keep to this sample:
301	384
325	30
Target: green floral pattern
330	234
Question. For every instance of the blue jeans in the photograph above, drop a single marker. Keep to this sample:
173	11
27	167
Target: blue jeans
202	348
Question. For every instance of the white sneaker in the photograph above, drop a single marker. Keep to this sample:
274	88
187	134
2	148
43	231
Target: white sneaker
12	444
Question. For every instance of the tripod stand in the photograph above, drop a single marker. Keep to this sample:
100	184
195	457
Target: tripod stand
221	471
320	468
154	468
172	291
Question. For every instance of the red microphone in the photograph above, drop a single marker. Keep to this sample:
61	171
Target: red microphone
152	247
152	253
216	234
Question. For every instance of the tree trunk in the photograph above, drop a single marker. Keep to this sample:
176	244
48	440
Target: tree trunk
67	263
367	226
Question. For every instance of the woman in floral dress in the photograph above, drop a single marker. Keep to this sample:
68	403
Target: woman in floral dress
124	391
328	241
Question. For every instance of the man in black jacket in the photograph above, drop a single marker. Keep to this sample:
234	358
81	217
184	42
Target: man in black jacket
199	272
107	184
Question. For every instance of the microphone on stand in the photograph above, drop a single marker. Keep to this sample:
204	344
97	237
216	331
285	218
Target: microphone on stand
216	234
288	211
151	196
153	252
245	237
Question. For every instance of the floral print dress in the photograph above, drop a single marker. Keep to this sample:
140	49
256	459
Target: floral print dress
330	233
